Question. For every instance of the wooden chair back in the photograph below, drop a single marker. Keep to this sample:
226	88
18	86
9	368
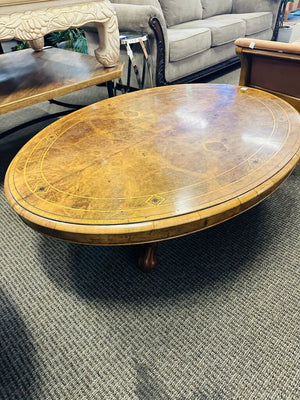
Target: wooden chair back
271	66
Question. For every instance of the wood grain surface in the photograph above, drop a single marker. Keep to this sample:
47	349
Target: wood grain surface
28	77
154	164
16	2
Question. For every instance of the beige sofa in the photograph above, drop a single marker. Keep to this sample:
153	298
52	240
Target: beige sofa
193	38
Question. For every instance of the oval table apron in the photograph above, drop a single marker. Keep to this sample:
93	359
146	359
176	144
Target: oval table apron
154	164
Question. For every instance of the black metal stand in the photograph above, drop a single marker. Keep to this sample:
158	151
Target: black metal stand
110	91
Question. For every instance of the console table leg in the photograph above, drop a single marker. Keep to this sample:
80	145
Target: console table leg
148	257
108	52
110	88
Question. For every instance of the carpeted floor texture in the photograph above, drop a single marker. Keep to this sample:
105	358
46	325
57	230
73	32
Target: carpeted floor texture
218	319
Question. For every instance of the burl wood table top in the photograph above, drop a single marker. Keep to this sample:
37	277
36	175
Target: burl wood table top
154	164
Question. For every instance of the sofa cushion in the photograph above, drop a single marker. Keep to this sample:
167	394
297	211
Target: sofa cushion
222	30
177	11
212	7
255	22
245	6
184	43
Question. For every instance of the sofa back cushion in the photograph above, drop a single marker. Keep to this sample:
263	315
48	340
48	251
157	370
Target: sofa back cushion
244	6
213	7
178	11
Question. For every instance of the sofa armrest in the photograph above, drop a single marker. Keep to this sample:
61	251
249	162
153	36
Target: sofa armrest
148	20
135	18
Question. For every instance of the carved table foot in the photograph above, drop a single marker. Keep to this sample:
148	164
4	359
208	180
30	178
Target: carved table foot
37	44
148	257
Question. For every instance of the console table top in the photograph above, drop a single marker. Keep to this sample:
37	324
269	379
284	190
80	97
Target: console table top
29	77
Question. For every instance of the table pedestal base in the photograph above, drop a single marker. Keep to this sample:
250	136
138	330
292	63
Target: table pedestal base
148	257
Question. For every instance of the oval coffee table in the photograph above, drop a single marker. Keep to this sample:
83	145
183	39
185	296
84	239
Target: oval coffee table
154	164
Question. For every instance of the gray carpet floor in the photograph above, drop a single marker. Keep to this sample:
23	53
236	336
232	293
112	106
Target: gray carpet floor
218	320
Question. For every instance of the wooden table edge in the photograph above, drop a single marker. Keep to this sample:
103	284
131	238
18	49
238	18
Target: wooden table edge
111	73
151	231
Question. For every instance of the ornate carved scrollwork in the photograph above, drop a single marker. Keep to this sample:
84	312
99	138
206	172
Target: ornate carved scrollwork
34	25
161	52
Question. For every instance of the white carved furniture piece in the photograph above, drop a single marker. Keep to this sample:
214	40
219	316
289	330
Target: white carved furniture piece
31	20
31	76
